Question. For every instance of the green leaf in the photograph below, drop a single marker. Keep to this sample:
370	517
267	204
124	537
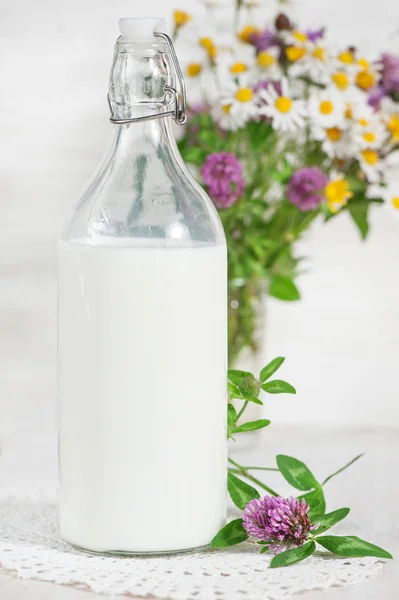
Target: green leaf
234	390
330	519
194	155
252	425
271	368
236	376
343	468
231	418
231	534
251	398
283	288
277	386
240	492
358	212
296	473
258	133
292	556
317	503
351	546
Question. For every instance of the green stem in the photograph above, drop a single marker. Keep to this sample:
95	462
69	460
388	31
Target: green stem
243	471
242	410
261	469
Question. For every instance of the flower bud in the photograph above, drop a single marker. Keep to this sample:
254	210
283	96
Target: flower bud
250	385
282	22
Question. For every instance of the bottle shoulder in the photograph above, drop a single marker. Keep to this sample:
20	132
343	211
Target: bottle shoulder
142	189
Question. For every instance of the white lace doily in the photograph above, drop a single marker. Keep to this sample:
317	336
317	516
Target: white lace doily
30	545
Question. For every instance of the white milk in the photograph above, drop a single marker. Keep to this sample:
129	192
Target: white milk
142	395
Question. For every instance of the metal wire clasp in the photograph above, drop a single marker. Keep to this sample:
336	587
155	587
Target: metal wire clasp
180	111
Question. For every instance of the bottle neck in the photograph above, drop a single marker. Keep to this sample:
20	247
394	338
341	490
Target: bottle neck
140	76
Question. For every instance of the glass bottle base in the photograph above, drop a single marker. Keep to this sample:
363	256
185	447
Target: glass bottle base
138	553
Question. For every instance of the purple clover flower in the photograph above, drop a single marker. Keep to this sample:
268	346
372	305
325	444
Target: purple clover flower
376	94
315	34
222	173
283	522
305	188
263	40
390	72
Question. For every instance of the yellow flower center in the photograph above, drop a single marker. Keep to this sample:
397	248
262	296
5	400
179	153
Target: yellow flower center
293	53
181	17
393	127
265	59
337	193
326	107
244	95
369	137
362	62
395	202
370	156
365	80
209	46
300	36
194	69
363	122
246	34
334	134
348	111
283	104
318	53
226	108
340	79
238	67
346	57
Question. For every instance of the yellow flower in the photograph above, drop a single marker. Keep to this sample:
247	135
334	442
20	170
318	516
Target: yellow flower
337	193
318	53
193	69
346	57
238	67
370	156
362	62
247	32
326	107
340	79
244	94
300	36
283	104
395	202
365	79
209	46
293	53
334	134
226	108
265	59
393	127
181	17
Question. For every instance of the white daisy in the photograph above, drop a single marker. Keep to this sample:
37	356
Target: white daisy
372	165
267	64
287	114
200	78
389	194
313	63
238	101
336	142
369	133
236	60
327	108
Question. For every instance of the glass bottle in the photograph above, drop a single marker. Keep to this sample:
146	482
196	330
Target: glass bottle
142	341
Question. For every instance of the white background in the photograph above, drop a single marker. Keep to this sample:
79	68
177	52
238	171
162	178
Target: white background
341	340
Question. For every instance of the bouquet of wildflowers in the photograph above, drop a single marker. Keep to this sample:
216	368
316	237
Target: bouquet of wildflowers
283	129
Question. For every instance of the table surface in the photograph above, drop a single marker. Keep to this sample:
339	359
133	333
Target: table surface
370	488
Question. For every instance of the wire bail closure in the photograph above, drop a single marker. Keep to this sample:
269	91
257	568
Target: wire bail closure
179	113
